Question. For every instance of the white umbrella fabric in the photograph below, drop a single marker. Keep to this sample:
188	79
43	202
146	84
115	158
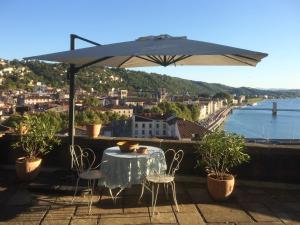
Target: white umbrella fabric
162	50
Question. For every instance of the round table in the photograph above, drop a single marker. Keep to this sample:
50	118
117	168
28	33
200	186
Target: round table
122	170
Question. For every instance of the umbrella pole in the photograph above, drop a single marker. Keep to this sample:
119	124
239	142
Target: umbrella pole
71	95
71	76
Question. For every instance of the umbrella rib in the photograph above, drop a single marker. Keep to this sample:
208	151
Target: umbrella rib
92	62
153	57
150	60
160	59
125	61
181	58
246	57
170	59
230	57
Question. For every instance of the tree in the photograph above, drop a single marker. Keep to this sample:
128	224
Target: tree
223	95
91	102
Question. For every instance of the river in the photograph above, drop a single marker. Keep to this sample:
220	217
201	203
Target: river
261	124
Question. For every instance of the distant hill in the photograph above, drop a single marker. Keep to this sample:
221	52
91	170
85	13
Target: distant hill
102	79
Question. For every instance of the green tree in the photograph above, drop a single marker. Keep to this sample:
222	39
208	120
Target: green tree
91	102
223	95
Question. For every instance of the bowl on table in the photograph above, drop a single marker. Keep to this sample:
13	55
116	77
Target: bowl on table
126	146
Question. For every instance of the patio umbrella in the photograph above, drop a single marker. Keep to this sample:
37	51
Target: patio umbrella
162	50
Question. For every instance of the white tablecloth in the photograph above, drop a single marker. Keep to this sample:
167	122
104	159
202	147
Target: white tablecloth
124	169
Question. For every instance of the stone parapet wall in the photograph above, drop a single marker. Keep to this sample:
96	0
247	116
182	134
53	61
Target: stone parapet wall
277	163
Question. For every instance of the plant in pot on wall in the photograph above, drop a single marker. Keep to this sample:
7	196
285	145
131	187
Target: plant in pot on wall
18	123
219	152
93	123
36	142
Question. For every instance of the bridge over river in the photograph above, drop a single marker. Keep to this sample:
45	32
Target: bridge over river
270	109
274	109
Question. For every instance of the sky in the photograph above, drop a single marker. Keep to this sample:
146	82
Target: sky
34	27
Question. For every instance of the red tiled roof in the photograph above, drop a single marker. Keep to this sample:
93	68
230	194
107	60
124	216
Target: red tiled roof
119	107
187	129
153	116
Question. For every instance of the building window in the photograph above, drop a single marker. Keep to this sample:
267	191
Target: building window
136	132
143	132
164	126
164	132
157	125
150	132
143	125
136	125
150	125
157	132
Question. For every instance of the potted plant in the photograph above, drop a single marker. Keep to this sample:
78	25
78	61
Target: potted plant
18	123
92	123
219	152
36	142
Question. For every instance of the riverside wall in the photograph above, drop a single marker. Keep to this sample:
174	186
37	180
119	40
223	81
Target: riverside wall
269	162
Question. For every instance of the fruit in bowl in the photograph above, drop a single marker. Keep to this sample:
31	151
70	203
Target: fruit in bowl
126	146
142	150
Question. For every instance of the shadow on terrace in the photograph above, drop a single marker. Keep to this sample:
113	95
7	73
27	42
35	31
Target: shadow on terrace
268	190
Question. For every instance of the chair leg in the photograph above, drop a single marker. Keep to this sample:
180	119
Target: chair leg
111	195
88	189
166	188
174	194
155	197
91	195
142	193
75	190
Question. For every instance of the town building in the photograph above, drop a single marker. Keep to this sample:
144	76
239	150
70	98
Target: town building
133	102
150	125
122	110
241	99
33	99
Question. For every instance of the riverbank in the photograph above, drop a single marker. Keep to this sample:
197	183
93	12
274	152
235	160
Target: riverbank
216	119
252	101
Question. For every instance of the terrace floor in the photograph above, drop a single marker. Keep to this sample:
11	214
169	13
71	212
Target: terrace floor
47	202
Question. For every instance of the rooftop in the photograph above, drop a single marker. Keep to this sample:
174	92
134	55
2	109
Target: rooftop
47	201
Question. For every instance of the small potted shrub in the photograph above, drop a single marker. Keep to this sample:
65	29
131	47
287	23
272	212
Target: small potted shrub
18	123
36	142
219	152
93	123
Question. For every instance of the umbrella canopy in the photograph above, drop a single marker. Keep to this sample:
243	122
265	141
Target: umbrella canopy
162	50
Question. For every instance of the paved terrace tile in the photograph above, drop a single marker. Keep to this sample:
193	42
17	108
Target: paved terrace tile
21	204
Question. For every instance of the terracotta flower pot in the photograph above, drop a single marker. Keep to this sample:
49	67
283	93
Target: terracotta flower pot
220	189
27	169
93	130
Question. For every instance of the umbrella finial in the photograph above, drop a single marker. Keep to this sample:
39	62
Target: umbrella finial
159	37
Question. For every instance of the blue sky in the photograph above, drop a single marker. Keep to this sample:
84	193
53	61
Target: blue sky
35	27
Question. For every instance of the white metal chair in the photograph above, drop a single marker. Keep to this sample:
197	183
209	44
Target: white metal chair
167	178
83	159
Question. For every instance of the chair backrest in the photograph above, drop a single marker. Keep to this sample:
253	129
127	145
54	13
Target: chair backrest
82	158
176	158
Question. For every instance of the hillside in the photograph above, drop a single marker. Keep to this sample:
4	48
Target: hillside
21	74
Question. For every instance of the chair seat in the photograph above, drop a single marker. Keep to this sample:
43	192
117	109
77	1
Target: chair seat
160	178
91	174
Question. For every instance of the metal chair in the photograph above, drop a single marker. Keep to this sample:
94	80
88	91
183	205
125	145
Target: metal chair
83	159
167	178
